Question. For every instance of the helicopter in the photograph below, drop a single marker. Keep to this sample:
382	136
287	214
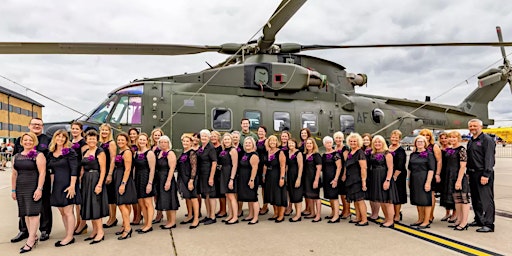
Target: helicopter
271	84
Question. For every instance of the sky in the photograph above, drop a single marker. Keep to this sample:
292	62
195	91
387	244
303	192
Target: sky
83	81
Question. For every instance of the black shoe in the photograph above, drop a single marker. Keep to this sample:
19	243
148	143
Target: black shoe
204	220
231	223
446	218
20	236
373	220
288	214
187	221
128	234
246	219
272	218
253	223
452	221
345	217
44	236
221	216
210	221
415	224
315	220
262	213
23	250
89	238
111	225
118	233
384	226
297	220
354	221
155	221
81	232
279	220
328	217
453	226
97	241
334	221
475	224
485	229
166	227
423	227
362	224
242	214
59	244
145	231
460	228
309	217
193	227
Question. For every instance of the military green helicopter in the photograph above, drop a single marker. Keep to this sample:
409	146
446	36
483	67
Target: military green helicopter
270	84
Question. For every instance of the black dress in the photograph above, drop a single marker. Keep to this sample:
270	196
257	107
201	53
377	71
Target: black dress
353	180
111	187
399	159
245	193
130	194
446	197
187	169
205	158
63	168
378	167
167	200
329	173
141	166
94	206
453	159
309	174
262	152
217	176
296	194
226	166
342	190
26	184
274	194
434	186
419	166
77	146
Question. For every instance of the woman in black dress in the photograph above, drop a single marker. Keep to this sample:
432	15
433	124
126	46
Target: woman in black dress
446	198
331	169
109	147
28	174
421	171
63	167
133	133
187	180
457	181
215	140
78	145
207	165
247	188
94	196
311	179
367	148
400	172
284	138
124	184
438	155
261	149
381	186
355	177
144	167
342	150
165	183
153	142
294	169
274	178
228	162
304	134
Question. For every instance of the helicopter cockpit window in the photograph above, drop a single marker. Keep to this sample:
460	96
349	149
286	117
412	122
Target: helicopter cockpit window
127	111
281	121
254	117
377	115
221	119
346	124
101	113
309	120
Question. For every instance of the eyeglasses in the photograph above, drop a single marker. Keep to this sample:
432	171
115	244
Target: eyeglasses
420	141
33	124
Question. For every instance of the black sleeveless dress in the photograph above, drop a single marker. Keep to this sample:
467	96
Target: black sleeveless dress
296	194
226	166
111	188
77	146
63	168
130	194
399	159
419	166
167	200
245	193
453	159
141	166
26	184
446	196
377	166
329	173
274	194
353	180
205	158
342	190
187	169
217	176
308	176
262	152
94	206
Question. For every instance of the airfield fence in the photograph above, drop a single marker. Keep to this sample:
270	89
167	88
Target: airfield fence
504	150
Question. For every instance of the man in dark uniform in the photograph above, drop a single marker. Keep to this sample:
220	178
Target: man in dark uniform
480	168
36	126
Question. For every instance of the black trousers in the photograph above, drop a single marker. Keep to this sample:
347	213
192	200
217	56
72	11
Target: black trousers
46	219
482	198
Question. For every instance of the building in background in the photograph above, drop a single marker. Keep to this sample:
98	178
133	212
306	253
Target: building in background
16	110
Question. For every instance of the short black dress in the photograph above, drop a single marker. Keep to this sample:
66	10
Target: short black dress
141	166
187	169
446	197
296	194
205	157
94	206
262	152
399	159
274	194
226	166
435	187
167	200
217	176
245	193
329	173
63	168
453	159
111	187
342	190
353	180
26	184
130	194
378	167
419	166
309	174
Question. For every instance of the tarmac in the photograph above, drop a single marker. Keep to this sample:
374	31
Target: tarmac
269	238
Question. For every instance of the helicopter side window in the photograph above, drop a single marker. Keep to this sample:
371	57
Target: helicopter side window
254	117
281	121
377	115
101	113
346	124
309	120
127	111
221	119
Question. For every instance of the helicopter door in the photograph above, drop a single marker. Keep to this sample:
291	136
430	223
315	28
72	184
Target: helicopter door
189	114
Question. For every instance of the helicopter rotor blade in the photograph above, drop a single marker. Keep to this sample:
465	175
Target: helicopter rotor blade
104	48
500	39
454	44
283	13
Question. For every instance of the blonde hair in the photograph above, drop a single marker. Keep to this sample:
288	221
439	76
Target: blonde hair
31	135
147	138
355	135
315	146
397	133
227	134
271	137
428	132
252	141
151	140
165	138
455	134
382	140
187	135
109	137
53	145
338	134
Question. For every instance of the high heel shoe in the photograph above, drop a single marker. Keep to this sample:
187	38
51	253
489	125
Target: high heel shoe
453	226
128	234
23	250
111	225
81	232
118	233
97	241
460	228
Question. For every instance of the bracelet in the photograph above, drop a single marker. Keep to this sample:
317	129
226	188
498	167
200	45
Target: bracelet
123	183
282	178
13	190
40	189
388	180
231	178
251	180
